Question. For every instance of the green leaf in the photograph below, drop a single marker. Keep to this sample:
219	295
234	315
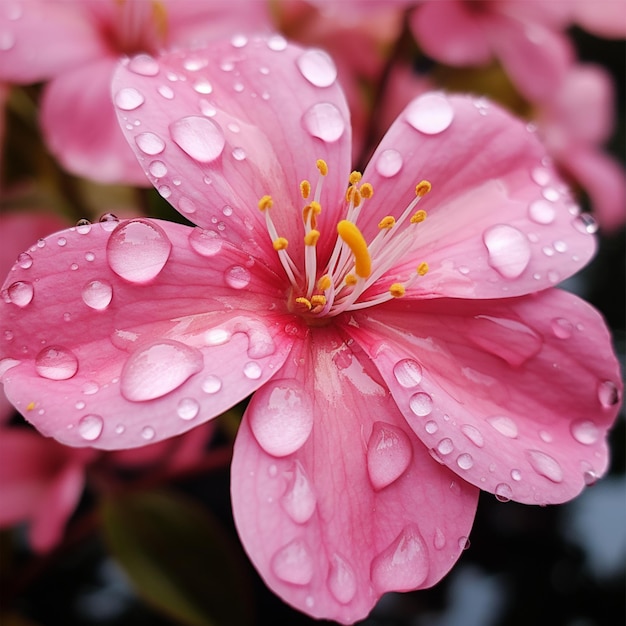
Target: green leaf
178	558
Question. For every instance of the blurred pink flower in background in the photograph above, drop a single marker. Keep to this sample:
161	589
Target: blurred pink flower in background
74	45
403	357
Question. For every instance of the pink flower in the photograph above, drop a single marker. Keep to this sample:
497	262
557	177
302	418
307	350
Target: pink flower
406	347
75	45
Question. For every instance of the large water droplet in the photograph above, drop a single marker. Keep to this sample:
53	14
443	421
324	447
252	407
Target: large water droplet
324	121
158	169
430	114
144	65
408	373
562	328
188	409
503	492
465	461
90	427
541	212
155	370
341	580
389	454
97	294
586	223
389	163
504	425
317	67
282	417
237	277
508	248
201	138
445	446
545	465
585	432
608	394
299	500
277	43
217	336
293	563
421	404
21	293
56	363
149	143
138	250
128	99
24	260
402	566
211	384
252	370
205	242
473	434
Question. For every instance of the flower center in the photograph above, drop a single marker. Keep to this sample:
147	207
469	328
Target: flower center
140	26
354	276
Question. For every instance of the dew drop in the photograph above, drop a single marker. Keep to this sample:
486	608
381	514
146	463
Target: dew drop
317	67
24	260
562	328
211	384
465	461
157	369
585	223
445	446
188	408
83	227
90	388
239	41
237	277
138	250
90	427
21	293
201	138
590	477
186	205
464	543
540	175
277	43
120	429
545	465
205	242
128	99
509	252
144	65
61	242
421	404
282	417
389	163
203	86
430	114
439	540
585	432
97	294
299	500
148	433
408	373
541	212
149	143
608	394
324	121
516	475
473	434
389	453
431	427
7	41
252	370
194	64
293	563
56	363
158	169
239	154
403	565
504	425
166	91
341	580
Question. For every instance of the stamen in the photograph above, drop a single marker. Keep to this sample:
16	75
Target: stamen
318	300
351	280
367	191
324	282
422	188
387	222
353	238
265	203
305	189
311	238
310	213
397	290
422	269
355	177
418	216
280	243
322	166
304	302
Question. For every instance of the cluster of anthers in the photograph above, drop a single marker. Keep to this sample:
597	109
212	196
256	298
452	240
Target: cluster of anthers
354	265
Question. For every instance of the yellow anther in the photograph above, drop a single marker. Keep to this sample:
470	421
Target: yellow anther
324	282
310	212
304	302
305	189
318	300
387	222
422	269
353	238
265	203
159	15
418	216
355	177
280	243
367	191
350	280
322	167
30	406
310	239
397	290
422	188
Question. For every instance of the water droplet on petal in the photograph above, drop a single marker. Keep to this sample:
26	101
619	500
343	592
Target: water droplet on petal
217	336
389	163
516	474
97	294
24	260
158	169
293	563
608	394
239	41
7	41
128	99
545	465
166	91
408	373
504	425
108	222
540	175
508	248
239	154
203	86
341	580
205	242
585	432
473	434
201	138
402	566
83	227
148	433
282	417
90	388
149	143
439	540
324	121
430	114
465	461
21	293
277	43
211	384
56	363
445	446
586	223
90	427
188	408
237	277
431	427
541	212
144	65
389	453
155	370
299	500
421	404
252	370
317	67
138	250
562	328
503	492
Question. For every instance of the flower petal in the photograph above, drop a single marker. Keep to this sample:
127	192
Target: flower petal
496	210
121	337
515	396
222	126
334	498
